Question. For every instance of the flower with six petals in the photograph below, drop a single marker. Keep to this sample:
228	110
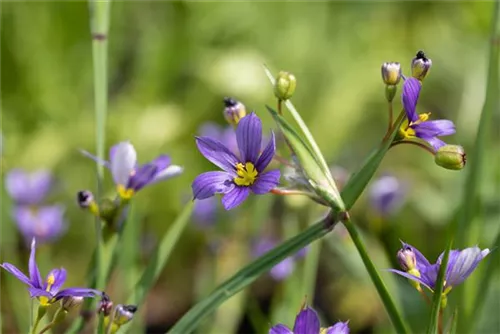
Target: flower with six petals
240	174
48	291
307	322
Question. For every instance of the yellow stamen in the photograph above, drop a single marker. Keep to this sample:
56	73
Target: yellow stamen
247	174
124	192
44	301
406	131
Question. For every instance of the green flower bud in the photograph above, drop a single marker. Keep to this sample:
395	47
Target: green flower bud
451	157
420	65
285	85
108	210
391	73
390	92
234	111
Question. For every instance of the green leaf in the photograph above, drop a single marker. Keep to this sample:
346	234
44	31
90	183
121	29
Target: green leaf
249	274
309	163
436	310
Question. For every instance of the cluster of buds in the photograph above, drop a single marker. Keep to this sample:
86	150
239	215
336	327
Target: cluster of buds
114	319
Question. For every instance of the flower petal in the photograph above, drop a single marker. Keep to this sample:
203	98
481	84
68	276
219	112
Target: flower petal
210	183
411	92
283	269
16	272
162	162
437	128
58	276
266	182
267	155
249	137
77	292
428	284
96	159
44	223
280	329
217	153
141	177
435	143
167	173
307	322
28	188
339	328
235	197
35	292
461	264
35	277
123	162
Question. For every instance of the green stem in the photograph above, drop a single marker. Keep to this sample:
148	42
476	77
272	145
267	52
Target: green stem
390	307
250	273
39	316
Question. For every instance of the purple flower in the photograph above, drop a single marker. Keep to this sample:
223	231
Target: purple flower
461	264
418	126
130	177
307	322
225	135
48	291
28	188
205	211
386	195
45	223
241	174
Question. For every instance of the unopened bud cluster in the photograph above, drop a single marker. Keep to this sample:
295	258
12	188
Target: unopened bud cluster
114	319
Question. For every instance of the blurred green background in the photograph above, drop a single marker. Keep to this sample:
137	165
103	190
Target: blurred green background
170	65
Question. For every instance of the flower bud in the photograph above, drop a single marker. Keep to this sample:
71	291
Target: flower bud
420	65
84	198
68	303
285	85
390	92
105	305
451	157
407	259
391	73
123	314
234	111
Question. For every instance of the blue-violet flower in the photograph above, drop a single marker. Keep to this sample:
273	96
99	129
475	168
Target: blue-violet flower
307	322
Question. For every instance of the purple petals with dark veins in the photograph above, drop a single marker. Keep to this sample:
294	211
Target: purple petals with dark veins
249	138
142	176
339	328
235	197
280	329
59	277
210	183
217	153
16	272
267	154
307	322
411	93
266	182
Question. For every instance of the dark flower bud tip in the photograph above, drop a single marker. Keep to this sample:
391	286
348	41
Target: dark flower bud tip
285	85
451	157
124	313
234	111
84	198
105	305
420	65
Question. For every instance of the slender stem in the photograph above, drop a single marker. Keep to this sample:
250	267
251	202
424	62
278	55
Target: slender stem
280	105
426	298
390	307
391	117
425	147
440	322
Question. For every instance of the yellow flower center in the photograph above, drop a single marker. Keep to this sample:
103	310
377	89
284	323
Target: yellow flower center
406	131
247	174
124	193
44	301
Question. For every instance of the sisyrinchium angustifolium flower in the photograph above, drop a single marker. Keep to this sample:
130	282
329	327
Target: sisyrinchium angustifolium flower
34	218
48	291
130	177
240	174
419	125
307	322
461	264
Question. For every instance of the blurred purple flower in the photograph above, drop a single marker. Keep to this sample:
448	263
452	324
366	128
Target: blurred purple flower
461	264
47	292
130	177
225	135
283	269
28	188
45	223
239	175
387	195
307	322
418	126
205	212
